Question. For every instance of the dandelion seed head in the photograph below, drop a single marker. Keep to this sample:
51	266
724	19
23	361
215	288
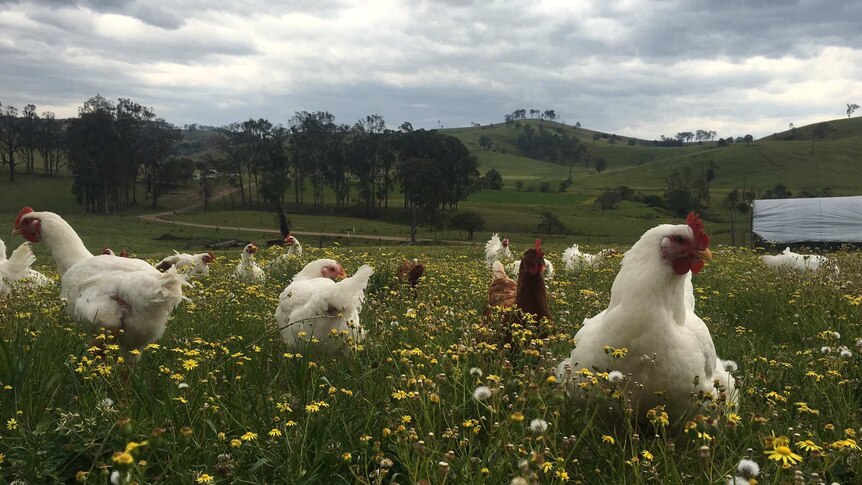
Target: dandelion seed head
826	349
538	425
475	371
615	376
481	393
836	335
748	468
845	353
730	366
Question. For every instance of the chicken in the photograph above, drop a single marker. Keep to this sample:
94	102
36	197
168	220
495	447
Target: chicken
497	250
548	273
411	271
126	296
16	268
528	295
189	264
32	278
575	260
670	353
110	252
292	245
248	271
802	263
315	312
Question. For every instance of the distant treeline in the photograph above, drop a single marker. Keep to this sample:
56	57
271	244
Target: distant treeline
111	147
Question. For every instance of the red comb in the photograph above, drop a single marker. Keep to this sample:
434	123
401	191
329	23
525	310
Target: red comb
21	214
696	224
539	248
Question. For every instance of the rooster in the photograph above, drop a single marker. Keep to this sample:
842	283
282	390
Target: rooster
248	271
189	264
292	245
315	308
548	273
411	272
575	260
670	352
797	262
126	296
528	295
16	268
497	250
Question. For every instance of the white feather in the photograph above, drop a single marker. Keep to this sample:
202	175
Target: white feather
314	307
801	263
650	314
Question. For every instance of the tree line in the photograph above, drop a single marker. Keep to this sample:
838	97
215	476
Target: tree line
24	136
113	148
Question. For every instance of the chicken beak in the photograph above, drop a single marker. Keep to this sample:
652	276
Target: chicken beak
705	254
16	231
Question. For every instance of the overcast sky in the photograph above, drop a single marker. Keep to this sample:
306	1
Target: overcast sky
639	68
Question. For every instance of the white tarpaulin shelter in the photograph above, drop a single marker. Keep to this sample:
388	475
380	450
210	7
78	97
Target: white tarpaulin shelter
822	219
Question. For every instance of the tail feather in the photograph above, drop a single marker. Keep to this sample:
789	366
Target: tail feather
498	270
18	265
350	291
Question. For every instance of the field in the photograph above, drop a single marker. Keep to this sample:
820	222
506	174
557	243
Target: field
220	400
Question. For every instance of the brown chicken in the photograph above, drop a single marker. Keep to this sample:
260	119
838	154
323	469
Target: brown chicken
411	271
528	295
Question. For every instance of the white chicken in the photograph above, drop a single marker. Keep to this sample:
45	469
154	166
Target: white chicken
16	271
248	271
497	250
515	267
314	309
802	263
669	348
125	296
15	268
575	260
193	265
294	248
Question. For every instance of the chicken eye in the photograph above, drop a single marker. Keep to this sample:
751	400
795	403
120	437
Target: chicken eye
679	239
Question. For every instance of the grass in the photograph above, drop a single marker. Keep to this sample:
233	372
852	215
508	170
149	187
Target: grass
220	399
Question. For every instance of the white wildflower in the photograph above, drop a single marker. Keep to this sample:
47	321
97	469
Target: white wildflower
826	349
520	481
538	425
615	376
836	335
182	385
845	353
105	404
748	468
730	365
477	372
481	393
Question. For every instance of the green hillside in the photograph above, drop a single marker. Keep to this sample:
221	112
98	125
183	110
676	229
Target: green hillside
531	187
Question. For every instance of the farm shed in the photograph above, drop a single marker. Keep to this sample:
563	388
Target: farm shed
817	220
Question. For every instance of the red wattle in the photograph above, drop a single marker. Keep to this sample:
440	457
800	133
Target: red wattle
697	265
682	266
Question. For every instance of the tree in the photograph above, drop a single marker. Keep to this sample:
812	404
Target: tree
50	141
406	127
533	112
93	150
609	199
10	138
468	222
851	108
485	142
748	139
519	185
207	179
550	223
731	201
601	164
29	128
550	114
493	180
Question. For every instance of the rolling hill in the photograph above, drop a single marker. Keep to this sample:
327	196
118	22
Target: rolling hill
531	186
